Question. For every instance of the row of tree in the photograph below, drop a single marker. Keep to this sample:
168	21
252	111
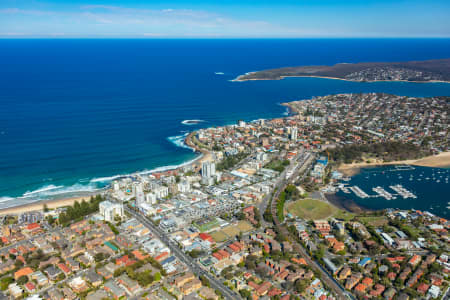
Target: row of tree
387	151
80	210
230	161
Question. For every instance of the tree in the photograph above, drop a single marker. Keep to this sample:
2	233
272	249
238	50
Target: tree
250	262
22	280
46	208
99	257
5	282
245	293
301	285
144	278
204	281
18	263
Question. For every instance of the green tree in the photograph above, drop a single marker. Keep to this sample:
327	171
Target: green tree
5	282
22	280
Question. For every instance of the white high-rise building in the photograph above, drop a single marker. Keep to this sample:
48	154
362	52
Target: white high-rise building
261	156
294	133
161	191
109	210
140	197
150	198
184	186
208	169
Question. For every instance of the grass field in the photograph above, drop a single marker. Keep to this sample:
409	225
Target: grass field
311	209
344	215
231	231
244	226
375	221
207	226
219	236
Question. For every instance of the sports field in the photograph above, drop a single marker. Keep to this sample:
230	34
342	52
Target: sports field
231	231
207	225
311	209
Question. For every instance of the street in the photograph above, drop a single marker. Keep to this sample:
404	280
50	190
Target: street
188	261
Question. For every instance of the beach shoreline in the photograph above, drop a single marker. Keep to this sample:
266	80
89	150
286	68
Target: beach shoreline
39	205
204	155
441	160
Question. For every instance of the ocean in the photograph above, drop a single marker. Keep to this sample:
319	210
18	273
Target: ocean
76	113
429	185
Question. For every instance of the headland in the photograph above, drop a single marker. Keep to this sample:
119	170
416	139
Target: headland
412	71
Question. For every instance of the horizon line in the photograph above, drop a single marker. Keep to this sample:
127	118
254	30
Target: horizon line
64	37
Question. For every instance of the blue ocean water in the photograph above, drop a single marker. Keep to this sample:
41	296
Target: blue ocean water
75	113
430	185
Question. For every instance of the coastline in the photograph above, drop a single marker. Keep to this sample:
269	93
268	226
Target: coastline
441	160
204	155
239	79
39	205
345	204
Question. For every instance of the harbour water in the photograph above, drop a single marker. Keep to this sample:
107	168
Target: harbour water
403	187
75	114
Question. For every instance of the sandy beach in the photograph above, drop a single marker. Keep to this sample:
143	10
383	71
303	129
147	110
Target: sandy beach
439	160
39	205
206	155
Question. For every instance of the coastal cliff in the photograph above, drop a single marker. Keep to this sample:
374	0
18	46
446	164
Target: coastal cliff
414	71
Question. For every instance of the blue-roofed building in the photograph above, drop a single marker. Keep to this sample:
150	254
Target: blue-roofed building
322	160
168	260
364	261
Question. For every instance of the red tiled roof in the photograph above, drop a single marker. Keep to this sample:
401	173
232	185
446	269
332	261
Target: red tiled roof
30	286
64	268
205	237
33	226
122	260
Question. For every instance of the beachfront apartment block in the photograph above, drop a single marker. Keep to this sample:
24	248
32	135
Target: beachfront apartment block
208	169
294	133
109	210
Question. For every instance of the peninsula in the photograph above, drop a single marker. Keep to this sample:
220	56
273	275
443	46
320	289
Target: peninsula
416	71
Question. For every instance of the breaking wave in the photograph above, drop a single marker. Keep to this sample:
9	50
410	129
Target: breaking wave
192	122
178	140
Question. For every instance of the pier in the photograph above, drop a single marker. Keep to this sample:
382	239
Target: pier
359	192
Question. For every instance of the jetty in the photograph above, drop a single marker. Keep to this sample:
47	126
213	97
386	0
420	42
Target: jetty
402	191
359	192
383	193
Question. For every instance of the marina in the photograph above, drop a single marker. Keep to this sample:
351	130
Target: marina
379	192
404	187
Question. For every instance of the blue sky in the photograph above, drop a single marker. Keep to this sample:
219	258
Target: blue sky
224	18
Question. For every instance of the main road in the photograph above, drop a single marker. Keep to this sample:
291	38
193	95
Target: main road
300	170
295	163
188	261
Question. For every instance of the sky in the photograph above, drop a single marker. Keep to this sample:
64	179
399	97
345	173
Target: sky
223	18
